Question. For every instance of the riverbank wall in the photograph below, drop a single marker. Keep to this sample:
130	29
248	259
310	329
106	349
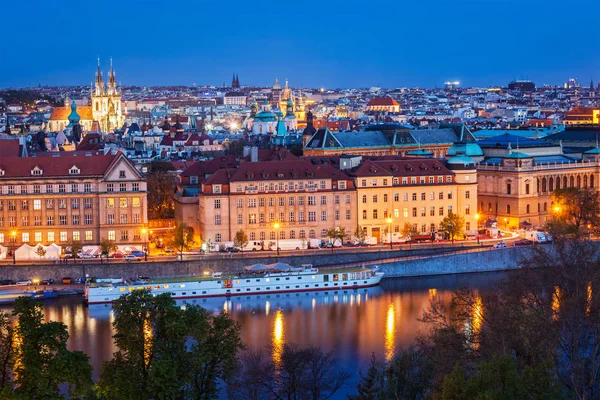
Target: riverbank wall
396	263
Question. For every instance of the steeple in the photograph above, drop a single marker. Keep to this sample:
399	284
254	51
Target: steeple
99	89
112	81
233	81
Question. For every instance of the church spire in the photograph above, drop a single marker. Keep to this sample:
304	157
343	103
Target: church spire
112	80
99	80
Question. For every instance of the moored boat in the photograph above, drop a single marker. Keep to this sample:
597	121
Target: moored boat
254	279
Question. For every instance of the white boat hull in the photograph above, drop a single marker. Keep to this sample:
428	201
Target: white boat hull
242	285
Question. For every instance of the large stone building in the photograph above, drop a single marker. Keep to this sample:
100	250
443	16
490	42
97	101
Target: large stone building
304	199
106	101
57	198
518	176
418	191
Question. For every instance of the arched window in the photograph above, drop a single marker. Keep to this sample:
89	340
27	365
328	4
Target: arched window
585	181
538	184
578	181
508	208
551	184
572	181
527	208
558	183
545	206
489	207
311	234
97	106
565	182
592	181
543	184
292	234
302	234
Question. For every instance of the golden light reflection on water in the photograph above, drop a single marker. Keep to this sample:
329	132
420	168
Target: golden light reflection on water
476	320
278	337
147	341
556	302
588	307
390	333
17	344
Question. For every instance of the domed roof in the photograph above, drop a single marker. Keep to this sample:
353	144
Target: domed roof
470	149
460	160
516	154
277	85
265	116
595	150
73	117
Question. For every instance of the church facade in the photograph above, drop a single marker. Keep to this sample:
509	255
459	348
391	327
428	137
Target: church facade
106	101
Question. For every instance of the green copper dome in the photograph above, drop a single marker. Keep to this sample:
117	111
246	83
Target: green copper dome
516	154
466	148
74	118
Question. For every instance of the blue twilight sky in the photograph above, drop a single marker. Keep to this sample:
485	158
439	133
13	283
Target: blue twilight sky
324	43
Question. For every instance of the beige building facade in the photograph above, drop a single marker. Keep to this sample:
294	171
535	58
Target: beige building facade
81	196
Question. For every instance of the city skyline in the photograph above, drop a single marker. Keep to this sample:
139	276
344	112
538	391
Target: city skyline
386	45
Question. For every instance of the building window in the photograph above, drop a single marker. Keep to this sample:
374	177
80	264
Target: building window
218	237
323	200
110	219
12	221
508	208
74	219
337	215
121	174
375	214
135	187
348	215
217	204
312	200
124	235
25	220
76	236
62	204
423	197
74	188
123	218
110	187
25	205
122	187
36	189
74	204
37	204
432	211
240	219
63	236
37	221
527	208
323	215
135	202
364	198
467	210
62	219
423	212
49	204
89	236
414	211
25	237
414	197
449	195
50	220
374	198
137	218
441	211
87	203
364	214
87	187
49	188
508	188
122	202
527	188
87	219
50	237
312	216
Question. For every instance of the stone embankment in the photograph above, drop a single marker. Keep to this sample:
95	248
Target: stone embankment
396	263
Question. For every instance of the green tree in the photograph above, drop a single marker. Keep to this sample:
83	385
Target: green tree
161	183
573	209
40	251
40	359
409	375
453	225
181	238
166	352
360	234
408	230
370	385
75	246
335	234
240	240
107	246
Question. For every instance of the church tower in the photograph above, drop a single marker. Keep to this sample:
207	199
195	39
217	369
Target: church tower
106	101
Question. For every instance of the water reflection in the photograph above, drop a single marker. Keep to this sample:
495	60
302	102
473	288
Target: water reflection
390	333
556	302
476	320
278	338
352	324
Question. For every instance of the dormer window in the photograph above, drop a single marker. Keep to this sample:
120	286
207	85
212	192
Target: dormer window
373	169
2	172
122	174
37	171
74	170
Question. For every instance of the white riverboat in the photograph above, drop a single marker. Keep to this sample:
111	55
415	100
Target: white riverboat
255	279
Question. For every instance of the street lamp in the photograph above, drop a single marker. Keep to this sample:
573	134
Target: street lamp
276	227
389	221
14	243
506	223
145	232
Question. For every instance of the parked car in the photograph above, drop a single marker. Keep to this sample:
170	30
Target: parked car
130	258
232	250
86	256
523	242
117	255
169	251
500	245
47	282
66	281
6	282
137	253
24	282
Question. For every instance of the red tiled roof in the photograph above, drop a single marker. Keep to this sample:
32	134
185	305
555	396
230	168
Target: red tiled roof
9	148
56	164
276	170
202	168
405	167
382	101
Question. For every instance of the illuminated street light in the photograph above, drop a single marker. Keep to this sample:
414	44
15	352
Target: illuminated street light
556	208
389	221
145	232
276	227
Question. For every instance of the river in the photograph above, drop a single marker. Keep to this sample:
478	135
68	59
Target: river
352	324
